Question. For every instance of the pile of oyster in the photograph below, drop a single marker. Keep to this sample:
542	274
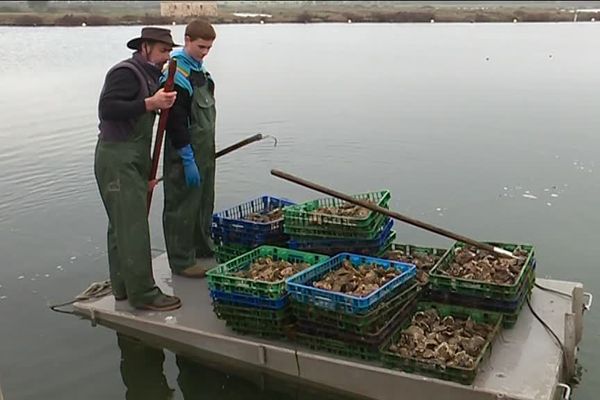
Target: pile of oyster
268	270
424	262
273	215
356	281
344	210
479	265
447	341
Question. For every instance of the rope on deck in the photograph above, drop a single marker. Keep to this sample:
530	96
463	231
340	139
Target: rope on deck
95	291
537	285
546	326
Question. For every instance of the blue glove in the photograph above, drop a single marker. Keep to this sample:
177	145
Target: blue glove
190	169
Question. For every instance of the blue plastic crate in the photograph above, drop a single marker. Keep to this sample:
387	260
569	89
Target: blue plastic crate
235	299
301	289
306	242
229	225
226	237
371	251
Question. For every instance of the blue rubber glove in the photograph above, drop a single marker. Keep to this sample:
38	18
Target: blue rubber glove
190	169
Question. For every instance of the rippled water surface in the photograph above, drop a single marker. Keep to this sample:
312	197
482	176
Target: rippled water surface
488	130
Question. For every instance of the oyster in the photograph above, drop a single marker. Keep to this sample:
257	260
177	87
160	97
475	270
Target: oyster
356	281
424	262
479	265
346	209
427	354
463	360
415	332
264	217
268	270
448	341
444	352
472	345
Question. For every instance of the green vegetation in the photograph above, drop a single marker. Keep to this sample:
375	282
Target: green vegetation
35	13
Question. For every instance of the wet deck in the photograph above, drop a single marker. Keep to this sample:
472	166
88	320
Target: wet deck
525	364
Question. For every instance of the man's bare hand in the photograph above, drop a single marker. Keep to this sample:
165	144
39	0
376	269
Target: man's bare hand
160	100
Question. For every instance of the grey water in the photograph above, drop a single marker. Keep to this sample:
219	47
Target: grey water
490	130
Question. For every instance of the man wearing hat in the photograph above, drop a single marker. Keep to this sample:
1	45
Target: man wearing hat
127	109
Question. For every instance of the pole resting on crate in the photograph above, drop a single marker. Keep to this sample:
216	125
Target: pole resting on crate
392	214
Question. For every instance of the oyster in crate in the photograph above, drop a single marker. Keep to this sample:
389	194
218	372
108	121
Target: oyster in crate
268	270
447	341
479	265
356	281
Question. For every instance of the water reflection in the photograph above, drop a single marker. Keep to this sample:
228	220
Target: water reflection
142	370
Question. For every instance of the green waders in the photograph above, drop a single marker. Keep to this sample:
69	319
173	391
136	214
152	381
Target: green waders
187	213
142	370
122	170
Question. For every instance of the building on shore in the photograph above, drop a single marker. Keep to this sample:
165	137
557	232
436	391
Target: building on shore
188	8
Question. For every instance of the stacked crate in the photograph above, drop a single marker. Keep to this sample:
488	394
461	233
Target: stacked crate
312	229
433	365
464	291
424	258
235	234
250	306
349	325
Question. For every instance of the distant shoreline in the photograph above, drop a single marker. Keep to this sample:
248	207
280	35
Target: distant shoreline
321	14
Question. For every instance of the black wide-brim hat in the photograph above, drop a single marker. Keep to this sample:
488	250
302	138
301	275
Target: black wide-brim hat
155	34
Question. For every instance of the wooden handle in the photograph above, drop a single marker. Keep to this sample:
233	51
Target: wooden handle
392	214
162	126
153	182
239	144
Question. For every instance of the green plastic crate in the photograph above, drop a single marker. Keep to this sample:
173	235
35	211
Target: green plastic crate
226	252
263	328
484	289
480	292
256	325
357	323
229	312
258	332
369	232
304	214
337	347
430	368
373	252
221	278
372	339
386	246
509	318
411	249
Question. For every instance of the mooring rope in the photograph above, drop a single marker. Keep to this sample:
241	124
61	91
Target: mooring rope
95	291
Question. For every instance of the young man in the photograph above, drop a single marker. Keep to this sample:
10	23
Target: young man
189	166
127	108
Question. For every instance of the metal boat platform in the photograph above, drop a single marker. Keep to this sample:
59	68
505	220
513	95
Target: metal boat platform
526	362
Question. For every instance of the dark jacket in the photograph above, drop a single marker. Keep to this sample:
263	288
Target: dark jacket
121	103
180	114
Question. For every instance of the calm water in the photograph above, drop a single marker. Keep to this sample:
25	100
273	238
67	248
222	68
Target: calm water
458	121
